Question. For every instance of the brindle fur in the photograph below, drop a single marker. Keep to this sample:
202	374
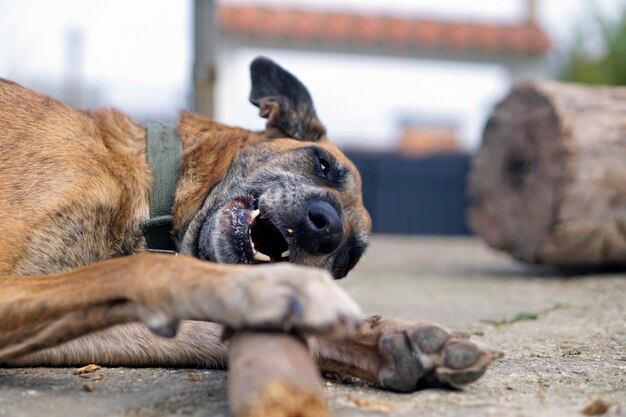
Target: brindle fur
74	186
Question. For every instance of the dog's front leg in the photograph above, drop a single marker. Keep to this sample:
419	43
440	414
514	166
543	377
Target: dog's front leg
404	356
161	290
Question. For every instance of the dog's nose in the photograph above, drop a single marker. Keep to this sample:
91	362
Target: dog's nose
322	229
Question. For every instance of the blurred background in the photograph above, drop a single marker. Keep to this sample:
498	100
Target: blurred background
403	86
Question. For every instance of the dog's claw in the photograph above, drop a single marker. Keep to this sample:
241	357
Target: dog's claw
161	324
294	312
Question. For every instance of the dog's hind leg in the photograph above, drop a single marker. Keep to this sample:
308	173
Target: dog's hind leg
197	344
160	290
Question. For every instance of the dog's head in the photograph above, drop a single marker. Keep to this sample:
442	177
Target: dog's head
285	194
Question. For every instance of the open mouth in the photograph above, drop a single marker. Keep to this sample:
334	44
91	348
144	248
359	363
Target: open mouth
267	243
241	232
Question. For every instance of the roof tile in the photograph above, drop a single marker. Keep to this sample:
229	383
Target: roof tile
302	25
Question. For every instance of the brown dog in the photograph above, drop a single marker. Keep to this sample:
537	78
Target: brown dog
75	186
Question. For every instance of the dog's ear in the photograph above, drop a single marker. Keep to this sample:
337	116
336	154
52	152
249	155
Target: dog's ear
284	101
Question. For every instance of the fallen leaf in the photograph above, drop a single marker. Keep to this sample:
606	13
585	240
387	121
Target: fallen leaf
194	377
97	378
88	387
361	402
596	408
87	369
510	387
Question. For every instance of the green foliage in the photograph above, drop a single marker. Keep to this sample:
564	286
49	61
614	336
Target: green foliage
608	67
518	317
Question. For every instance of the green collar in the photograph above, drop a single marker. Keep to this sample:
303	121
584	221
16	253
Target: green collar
163	152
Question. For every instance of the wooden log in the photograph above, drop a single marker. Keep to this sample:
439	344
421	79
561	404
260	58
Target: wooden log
273	375
548	184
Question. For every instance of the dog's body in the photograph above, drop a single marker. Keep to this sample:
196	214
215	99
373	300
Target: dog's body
75	185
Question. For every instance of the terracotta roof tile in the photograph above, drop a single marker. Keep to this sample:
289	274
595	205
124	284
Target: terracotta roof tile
338	26
302	25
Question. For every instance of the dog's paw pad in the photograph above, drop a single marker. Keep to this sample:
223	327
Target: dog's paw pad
430	339
464	361
464	378
405	368
461	354
423	355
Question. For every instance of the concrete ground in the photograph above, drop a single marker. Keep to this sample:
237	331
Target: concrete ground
564	339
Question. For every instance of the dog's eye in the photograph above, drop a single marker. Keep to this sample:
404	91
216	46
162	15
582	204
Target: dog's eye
324	165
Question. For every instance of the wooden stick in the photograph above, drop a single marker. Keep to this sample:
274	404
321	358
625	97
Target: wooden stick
273	375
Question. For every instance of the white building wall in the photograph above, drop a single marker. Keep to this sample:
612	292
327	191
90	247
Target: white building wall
362	100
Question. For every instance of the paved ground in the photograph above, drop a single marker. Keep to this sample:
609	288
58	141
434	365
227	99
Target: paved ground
564	338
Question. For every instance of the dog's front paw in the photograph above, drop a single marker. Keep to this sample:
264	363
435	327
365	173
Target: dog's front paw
288	297
425	354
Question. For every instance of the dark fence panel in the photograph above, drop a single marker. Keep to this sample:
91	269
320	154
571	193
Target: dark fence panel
415	195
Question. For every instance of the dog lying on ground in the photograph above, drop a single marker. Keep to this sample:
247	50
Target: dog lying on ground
78	286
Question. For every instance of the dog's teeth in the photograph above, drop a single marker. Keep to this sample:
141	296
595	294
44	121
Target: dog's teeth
254	214
262	257
285	254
